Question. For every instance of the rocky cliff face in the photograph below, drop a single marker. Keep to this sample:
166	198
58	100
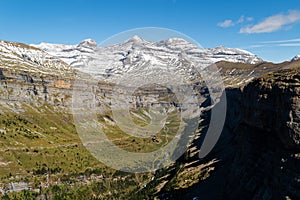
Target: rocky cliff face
26	87
274	99
266	164
258	153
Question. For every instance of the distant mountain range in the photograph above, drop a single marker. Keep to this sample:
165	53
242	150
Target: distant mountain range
135	53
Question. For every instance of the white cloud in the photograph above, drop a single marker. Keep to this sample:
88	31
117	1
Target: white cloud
226	23
249	19
273	23
241	19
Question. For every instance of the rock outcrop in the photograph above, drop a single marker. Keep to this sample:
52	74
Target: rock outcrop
26	87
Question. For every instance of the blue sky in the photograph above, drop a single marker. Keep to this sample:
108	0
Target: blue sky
268	28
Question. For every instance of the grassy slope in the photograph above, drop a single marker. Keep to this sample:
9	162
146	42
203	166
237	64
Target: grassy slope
40	137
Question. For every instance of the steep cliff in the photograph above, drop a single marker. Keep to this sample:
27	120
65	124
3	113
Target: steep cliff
258	153
266	164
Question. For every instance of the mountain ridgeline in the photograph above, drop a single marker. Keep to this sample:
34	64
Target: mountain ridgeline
115	60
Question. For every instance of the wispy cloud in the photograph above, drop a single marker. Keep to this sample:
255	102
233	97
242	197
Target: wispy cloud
273	23
276	43
241	19
289	45
249	19
281	41
226	23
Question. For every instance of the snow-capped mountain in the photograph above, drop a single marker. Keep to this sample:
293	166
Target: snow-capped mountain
19	56
135	53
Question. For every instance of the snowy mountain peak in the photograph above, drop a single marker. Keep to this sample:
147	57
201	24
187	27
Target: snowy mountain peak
179	44
136	40
88	43
175	40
